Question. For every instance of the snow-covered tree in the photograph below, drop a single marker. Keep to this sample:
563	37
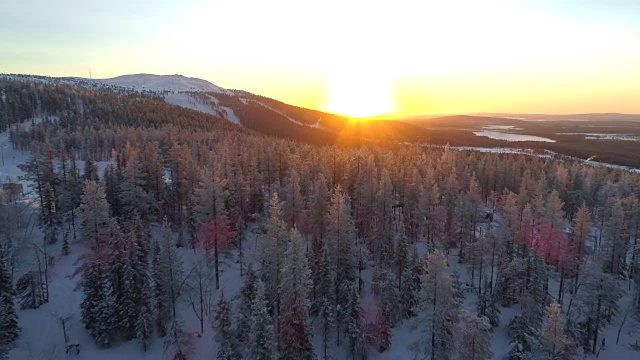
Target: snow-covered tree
97	306
272	251
295	334
161	309
410	291
261	344
472	337
352	316
247	295
597	302
341	240
437	309
325	295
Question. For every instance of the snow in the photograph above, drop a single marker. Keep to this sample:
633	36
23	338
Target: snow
511	137
188	101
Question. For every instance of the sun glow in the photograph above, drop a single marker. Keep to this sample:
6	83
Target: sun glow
360	95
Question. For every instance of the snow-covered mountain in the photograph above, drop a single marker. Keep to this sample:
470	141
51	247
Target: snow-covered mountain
151	82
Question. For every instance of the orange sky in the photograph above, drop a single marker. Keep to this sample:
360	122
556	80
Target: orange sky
353	57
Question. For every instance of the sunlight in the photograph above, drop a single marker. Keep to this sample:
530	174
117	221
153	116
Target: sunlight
360	95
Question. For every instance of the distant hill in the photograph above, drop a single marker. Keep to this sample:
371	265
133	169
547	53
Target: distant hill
568	117
259	113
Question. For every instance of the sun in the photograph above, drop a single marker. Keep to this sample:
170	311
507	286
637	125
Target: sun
360	95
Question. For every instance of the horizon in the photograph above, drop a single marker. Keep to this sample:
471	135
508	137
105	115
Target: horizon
406	59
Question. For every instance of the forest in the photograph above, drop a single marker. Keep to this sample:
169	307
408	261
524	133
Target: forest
356	250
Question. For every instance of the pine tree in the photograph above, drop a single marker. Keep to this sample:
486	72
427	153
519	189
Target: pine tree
95	221
144	324
272	253
410	291
123	285
295	334
552	336
132	198
341	239
152	172
9	330
437	308
326	295
142	284
261	338
352	319
99	231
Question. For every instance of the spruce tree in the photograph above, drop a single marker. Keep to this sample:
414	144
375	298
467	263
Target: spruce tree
161	307
247	295
295	335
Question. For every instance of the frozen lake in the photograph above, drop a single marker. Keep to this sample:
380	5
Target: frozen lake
511	137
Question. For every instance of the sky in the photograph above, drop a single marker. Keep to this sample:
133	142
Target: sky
352	57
